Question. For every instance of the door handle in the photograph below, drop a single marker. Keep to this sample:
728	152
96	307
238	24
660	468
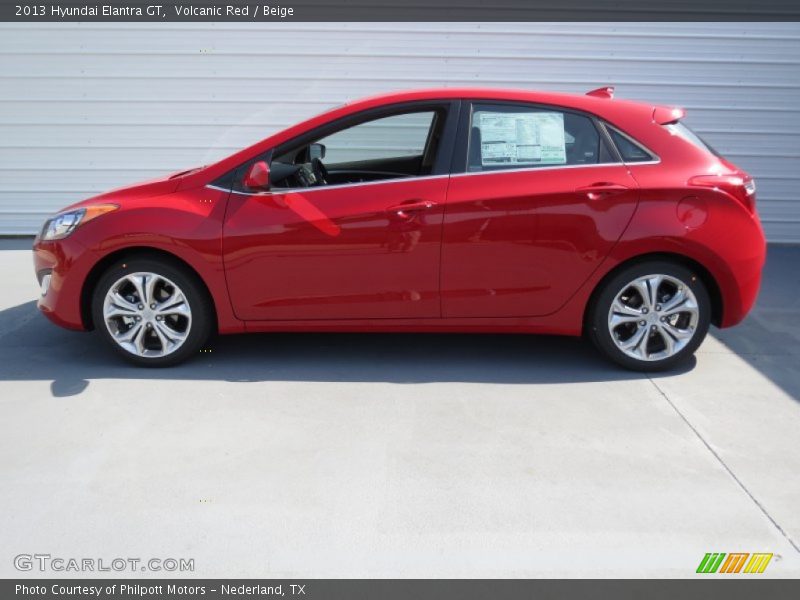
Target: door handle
602	189
405	210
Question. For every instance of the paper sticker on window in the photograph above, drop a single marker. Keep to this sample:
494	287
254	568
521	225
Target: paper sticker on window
522	138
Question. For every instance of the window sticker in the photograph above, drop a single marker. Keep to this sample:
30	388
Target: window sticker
522	138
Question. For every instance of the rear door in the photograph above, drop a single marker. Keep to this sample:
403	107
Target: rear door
540	201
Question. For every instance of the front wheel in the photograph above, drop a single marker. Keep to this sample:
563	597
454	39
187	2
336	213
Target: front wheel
152	312
650	316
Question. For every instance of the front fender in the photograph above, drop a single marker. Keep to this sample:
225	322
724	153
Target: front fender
186	225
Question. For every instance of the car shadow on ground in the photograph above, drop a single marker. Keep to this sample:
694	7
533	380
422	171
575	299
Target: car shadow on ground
769	338
32	349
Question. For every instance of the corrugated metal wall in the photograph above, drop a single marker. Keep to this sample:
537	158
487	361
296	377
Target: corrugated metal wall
87	107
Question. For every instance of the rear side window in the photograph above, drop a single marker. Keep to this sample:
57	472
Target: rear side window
513	136
630	151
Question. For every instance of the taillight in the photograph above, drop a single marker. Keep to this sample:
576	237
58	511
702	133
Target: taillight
741	187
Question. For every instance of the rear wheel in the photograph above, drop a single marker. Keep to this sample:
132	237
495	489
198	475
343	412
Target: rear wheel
650	316
152	312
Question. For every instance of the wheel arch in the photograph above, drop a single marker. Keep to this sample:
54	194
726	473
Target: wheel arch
96	272
710	282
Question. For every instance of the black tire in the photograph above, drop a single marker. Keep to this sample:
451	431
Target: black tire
597	324
202	311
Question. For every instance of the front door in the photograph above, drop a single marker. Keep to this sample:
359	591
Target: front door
356	237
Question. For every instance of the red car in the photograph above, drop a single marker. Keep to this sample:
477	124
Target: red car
475	210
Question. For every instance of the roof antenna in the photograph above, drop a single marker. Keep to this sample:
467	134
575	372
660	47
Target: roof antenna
606	92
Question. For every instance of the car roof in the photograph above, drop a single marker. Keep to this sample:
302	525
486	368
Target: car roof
591	103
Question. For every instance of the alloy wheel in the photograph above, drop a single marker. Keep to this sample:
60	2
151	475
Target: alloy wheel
653	317
147	314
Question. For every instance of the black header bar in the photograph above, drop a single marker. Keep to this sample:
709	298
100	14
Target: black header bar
398	10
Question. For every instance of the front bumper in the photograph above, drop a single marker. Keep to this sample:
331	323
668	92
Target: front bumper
62	267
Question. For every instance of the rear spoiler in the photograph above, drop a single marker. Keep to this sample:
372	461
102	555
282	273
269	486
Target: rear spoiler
665	115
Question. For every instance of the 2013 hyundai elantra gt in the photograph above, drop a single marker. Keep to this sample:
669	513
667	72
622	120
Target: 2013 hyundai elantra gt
437	210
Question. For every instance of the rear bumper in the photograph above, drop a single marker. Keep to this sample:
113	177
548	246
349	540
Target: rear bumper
745	266
67	264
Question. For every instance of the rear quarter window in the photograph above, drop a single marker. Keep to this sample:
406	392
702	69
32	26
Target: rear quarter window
630	150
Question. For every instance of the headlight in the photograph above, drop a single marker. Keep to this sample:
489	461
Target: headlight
60	226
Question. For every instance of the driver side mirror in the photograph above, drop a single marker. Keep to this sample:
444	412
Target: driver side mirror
316	150
257	177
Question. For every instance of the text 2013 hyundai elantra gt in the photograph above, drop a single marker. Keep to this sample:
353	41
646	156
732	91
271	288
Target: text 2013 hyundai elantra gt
438	210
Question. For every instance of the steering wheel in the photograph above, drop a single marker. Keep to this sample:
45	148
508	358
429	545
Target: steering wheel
320	171
304	176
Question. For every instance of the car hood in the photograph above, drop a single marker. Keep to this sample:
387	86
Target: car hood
145	189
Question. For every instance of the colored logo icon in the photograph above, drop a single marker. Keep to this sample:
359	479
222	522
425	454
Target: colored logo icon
735	562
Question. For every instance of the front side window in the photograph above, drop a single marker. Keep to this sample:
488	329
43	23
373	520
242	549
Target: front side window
388	147
512	136
395	136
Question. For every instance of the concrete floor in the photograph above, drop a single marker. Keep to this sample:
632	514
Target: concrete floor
402	455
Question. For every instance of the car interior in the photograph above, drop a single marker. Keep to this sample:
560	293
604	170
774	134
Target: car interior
306	165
